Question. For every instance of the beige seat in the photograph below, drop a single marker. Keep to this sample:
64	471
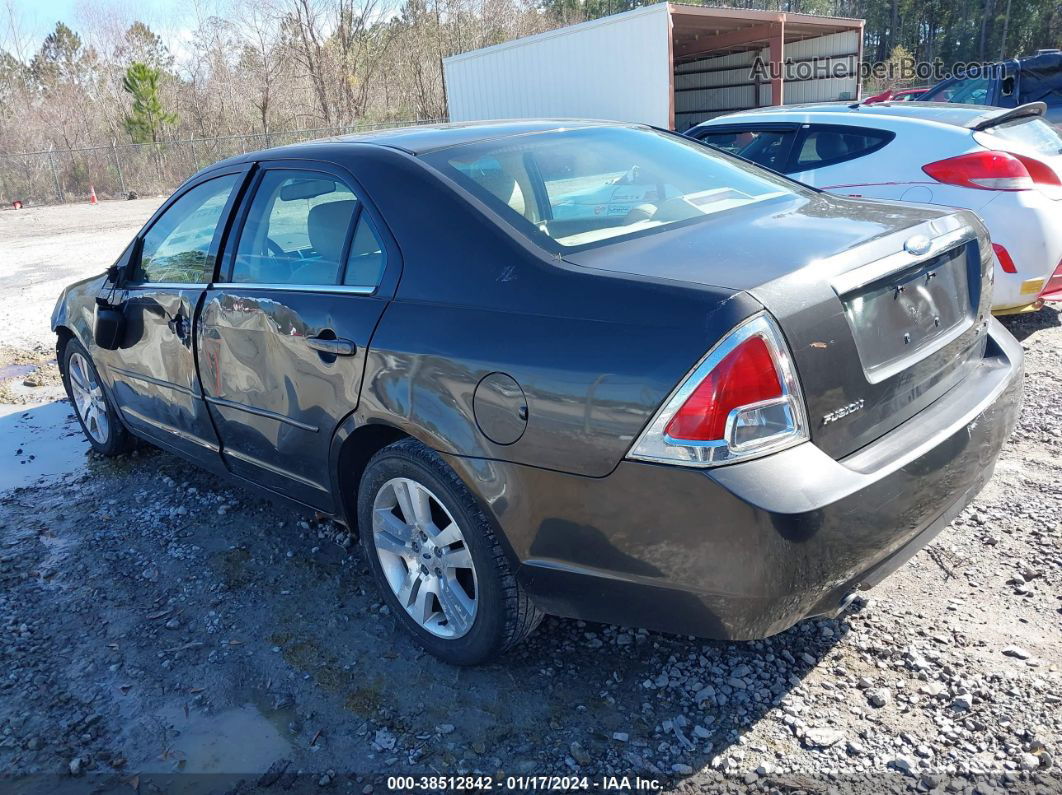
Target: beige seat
502	185
326	226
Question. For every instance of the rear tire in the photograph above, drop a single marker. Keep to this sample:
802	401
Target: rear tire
99	420
438	561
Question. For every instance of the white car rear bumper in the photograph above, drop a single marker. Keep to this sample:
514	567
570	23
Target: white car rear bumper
1028	225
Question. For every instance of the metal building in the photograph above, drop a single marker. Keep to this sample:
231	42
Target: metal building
670	65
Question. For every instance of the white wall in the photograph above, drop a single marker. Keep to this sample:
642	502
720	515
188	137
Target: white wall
616	67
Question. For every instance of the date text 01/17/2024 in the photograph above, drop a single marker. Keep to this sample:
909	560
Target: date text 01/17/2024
524	783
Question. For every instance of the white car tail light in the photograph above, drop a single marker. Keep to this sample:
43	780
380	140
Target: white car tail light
1053	289
992	170
742	400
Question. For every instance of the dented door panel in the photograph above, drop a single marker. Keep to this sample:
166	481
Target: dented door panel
275	399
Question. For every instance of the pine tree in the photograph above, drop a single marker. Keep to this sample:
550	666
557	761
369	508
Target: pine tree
144	124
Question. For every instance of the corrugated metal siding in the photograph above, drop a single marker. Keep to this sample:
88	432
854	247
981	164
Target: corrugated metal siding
720	89
710	86
611	68
837	48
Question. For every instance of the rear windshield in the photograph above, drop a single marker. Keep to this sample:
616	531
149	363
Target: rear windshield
1034	134
585	186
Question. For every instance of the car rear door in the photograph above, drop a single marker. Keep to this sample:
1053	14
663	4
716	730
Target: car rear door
305	278
153	374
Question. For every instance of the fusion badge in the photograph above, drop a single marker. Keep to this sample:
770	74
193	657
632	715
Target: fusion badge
842	412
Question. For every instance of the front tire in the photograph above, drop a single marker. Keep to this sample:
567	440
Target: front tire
98	418
436	558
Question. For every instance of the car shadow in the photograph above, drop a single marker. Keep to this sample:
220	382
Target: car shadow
620	701
1025	325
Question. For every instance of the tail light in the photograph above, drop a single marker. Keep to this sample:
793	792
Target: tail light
1006	262
742	400
1053	289
991	170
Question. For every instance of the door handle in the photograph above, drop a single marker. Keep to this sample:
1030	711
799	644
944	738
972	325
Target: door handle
333	346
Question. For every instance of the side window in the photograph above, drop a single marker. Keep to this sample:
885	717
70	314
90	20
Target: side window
826	146
767	148
295	230
177	246
365	263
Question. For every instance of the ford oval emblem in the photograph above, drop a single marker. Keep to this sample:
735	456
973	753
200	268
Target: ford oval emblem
917	245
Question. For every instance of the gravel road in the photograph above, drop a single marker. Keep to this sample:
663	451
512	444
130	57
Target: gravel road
165	631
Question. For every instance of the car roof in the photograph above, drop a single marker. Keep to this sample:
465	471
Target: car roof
415	140
421	139
954	114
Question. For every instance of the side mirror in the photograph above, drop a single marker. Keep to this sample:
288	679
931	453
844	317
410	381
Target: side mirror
108	328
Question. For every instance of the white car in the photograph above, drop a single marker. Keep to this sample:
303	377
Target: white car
1003	164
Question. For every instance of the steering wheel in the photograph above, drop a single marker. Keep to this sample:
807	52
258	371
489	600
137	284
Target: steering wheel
274	247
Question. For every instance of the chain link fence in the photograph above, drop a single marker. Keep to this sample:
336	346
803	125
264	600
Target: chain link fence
115	171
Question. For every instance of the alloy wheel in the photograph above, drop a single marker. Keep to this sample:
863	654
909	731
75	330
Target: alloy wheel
89	402
425	558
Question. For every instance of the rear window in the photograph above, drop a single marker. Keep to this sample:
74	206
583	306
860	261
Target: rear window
1030	133
580	187
825	146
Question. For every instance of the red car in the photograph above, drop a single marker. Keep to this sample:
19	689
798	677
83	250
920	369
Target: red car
895	95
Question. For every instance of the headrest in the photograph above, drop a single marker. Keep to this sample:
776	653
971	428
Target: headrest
327	227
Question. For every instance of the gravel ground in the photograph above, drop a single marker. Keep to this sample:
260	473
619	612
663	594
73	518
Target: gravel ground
162	630
46	248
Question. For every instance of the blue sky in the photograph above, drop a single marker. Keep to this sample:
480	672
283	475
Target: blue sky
37	17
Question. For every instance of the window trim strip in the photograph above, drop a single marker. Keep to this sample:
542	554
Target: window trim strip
354	289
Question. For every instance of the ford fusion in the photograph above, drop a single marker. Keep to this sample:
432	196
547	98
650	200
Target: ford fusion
584	369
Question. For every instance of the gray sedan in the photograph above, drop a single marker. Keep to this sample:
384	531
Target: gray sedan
588	369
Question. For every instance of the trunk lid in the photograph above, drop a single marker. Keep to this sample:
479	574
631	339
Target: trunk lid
884	306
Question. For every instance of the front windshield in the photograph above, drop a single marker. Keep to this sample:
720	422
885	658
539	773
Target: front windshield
583	186
970	91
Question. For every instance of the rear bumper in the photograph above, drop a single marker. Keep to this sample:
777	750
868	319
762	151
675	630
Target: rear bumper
1029	225
1026	309
747	550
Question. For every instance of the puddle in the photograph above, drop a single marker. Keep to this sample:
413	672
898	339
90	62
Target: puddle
37	442
240	740
16	371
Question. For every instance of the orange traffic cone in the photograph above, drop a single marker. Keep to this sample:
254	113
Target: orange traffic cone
92	195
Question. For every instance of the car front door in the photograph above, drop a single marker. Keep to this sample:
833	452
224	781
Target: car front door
153	373
284	331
